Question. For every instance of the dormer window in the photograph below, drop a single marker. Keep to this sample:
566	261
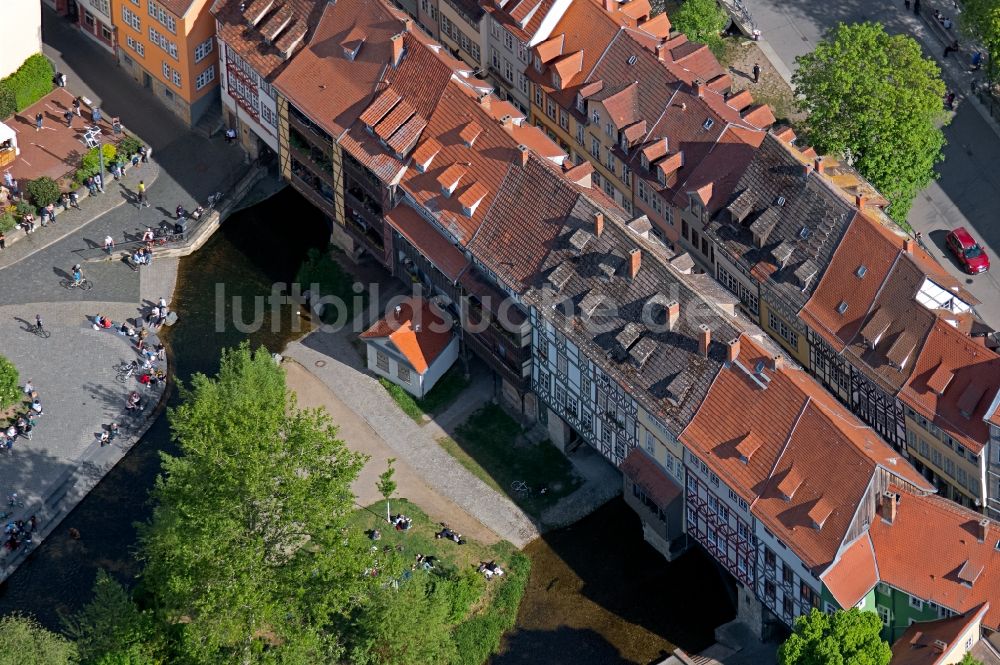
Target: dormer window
661	177
538	63
556	81
581	106
644	161
623	141
597	117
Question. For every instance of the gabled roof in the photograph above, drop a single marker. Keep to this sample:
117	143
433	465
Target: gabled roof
427	240
969	379
927	642
266	56
416	329
791	217
647	475
930	567
853	574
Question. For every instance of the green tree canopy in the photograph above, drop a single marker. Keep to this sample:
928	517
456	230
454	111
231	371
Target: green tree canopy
874	97
24	642
701	21
112	629
408	625
980	20
247	554
842	638
43	191
386	485
10	383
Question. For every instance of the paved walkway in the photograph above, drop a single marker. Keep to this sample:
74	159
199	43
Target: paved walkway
967	191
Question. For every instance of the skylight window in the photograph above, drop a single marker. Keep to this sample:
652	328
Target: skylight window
861	271
708	123
842	307
632	59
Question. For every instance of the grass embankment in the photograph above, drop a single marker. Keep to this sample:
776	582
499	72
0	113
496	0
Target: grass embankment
490	445
444	392
482	610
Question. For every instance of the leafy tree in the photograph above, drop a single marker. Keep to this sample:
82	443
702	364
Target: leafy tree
874	97
10	383
247	554
980	20
111	628
842	637
386	485
43	191
405	624
969	659
24	642
91	162
701	21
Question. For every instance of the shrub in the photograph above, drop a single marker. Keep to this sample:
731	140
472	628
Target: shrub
22	208
31	82
7	221
463	592
10	385
479	637
43	191
129	145
91	162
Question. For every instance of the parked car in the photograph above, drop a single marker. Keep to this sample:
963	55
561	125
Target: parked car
970	255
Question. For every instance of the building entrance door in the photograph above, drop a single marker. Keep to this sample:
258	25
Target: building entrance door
147	80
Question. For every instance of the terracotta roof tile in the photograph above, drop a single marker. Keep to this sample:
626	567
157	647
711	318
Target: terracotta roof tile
635	9
379	108
722	167
429	241
857	270
644	472
568	66
740	100
928	568
550	48
918	645
622	106
853	574
658	26
954	382
417	331
395	119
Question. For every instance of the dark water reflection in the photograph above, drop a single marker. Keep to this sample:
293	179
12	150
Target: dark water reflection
255	248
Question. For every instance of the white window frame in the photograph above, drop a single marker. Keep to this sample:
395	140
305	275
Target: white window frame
202	50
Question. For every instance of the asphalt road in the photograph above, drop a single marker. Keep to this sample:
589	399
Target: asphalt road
966	193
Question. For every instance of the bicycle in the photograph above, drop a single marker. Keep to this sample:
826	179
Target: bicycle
520	487
84	284
40	331
125	371
13	501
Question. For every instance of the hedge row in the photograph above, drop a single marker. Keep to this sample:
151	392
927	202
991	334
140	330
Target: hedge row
478	638
31	82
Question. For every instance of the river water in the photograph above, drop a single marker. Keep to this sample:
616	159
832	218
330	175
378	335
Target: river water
598	594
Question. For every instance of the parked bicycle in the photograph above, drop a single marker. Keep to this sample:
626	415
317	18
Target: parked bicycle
84	284
520	487
125	371
14	501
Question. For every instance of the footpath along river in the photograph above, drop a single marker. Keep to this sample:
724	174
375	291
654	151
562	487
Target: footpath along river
598	594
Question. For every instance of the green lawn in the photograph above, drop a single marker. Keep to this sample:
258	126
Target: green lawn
487	445
490	608
444	392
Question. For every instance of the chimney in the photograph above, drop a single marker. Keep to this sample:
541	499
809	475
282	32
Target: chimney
397	48
861	200
908	245
981	529
609	6
734	350
662	52
634	261
704	339
940	646
486	101
777	363
407	24
807	169
673	313
820	165
887	507
699	87
507	121
598	224
524	155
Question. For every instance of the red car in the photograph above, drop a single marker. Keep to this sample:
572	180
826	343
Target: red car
970	255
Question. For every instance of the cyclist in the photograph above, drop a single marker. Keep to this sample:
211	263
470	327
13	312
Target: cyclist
77	275
38	322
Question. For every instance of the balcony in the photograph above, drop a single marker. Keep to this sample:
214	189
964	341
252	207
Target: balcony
508	364
306	184
308	129
361	227
363	201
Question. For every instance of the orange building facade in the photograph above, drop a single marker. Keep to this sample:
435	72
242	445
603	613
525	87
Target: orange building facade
169	47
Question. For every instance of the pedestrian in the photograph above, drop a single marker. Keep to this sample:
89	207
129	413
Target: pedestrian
141	190
949	100
74	199
38	121
162	304
3	241
230	135
109	244
76	107
144	153
44	215
68	115
96	115
34	523
977	60
91	187
51	208
8	180
916	7
135	160
951	48
756	72
99	183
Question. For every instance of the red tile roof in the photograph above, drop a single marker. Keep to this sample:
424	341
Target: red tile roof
929	567
853	574
419	331
645	473
966	375
919	644
428	241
